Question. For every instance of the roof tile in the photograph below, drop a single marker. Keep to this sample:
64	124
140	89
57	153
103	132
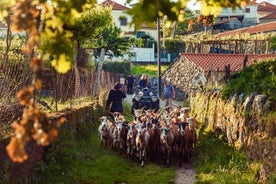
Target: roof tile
219	61
115	6
266	7
260	28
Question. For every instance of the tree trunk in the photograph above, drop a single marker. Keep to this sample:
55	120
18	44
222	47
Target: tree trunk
8	40
97	78
77	74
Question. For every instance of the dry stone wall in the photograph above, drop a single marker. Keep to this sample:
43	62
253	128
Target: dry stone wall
13	172
181	75
247	123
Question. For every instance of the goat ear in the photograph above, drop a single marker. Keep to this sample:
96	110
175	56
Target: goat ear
195	116
171	114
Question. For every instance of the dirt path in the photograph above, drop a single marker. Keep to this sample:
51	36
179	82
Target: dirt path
185	174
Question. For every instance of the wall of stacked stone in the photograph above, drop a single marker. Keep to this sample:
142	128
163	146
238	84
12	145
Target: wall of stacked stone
183	72
89	112
247	123
181	75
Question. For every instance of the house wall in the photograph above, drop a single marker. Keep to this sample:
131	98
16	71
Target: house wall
151	31
250	18
143	54
140	54
116	16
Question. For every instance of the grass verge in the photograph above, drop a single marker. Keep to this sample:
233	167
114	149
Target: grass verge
217	162
78	158
149	69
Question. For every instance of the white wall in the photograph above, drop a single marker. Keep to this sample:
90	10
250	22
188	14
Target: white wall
143	54
116	16
251	16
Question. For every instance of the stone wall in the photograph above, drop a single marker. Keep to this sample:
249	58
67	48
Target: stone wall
247	123
181	75
12	172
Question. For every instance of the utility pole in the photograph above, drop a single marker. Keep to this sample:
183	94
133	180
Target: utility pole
158	58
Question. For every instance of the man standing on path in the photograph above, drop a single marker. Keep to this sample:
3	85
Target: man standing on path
169	94
129	82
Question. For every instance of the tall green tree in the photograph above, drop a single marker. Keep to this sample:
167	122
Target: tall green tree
96	30
88	28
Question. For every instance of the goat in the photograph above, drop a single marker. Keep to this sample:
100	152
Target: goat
193	126
103	130
142	142
130	140
178	130
117	116
154	143
119	135
166	140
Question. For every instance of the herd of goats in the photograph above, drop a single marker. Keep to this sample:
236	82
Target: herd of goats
153	135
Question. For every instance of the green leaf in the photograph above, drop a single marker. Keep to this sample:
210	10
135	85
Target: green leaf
62	64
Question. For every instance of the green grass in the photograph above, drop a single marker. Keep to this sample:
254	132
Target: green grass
79	158
217	162
149	69
74	161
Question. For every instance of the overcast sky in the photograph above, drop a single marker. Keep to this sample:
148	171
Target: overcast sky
191	5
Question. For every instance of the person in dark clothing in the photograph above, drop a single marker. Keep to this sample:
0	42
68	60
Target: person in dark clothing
129	82
115	98
144	83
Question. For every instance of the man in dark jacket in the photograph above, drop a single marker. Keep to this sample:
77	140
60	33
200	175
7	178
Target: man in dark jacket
115	98
129	82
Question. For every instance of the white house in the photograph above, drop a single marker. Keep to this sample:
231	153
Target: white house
250	15
122	20
241	17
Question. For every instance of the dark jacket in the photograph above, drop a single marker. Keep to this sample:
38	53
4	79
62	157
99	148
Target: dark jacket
115	98
143	83
130	80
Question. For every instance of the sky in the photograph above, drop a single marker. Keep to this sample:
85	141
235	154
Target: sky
191	5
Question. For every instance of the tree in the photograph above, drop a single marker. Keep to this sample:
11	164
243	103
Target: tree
96	30
88	28
87	31
273	43
188	23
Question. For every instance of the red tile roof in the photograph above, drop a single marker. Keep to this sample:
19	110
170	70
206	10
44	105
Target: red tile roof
270	16
225	21
214	61
260	28
115	6
266	7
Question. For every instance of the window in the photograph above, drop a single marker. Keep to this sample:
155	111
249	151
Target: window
247	10
123	21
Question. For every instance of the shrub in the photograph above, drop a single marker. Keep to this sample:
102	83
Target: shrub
259	78
117	67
